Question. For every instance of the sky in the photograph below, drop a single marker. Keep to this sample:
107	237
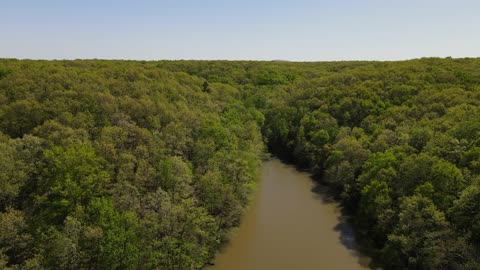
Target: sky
299	30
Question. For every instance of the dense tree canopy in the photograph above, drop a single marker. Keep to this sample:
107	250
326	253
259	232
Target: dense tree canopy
120	165
148	165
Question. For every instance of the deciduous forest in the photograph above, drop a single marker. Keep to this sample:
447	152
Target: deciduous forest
150	164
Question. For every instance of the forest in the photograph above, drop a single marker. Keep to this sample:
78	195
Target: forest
109	164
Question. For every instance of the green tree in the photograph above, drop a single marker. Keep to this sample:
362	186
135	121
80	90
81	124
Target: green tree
465	212
118	248
72	177
422	238
16	243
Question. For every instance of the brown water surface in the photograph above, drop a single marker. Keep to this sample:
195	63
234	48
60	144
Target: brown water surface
290	226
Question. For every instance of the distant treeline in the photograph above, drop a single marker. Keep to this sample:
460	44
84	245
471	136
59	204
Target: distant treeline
148	165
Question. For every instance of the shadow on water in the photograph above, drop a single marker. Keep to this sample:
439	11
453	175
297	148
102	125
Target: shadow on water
347	235
323	193
345	228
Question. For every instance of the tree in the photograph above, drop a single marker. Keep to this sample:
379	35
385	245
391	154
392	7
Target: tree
465	212
446	178
63	249
13	175
16	244
71	179
344	162
375	211
205	87
118	247
176	178
20	117
422	238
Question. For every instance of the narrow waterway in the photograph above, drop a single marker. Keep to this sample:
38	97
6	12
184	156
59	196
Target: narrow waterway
290	226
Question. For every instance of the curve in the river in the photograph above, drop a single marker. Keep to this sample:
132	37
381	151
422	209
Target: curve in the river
290	227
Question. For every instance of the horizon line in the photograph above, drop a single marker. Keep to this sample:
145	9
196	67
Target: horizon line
237	60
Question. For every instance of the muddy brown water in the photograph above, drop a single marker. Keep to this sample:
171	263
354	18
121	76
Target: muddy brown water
290	226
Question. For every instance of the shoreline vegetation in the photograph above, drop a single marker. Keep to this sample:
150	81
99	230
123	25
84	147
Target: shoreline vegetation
110	164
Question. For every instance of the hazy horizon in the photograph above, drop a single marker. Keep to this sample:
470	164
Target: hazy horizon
233	60
304	31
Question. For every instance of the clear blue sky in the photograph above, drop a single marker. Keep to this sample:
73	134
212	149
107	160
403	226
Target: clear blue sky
297	30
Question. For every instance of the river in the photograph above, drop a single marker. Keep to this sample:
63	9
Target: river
290	226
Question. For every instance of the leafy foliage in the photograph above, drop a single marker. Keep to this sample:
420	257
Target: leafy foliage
148	165
120	165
